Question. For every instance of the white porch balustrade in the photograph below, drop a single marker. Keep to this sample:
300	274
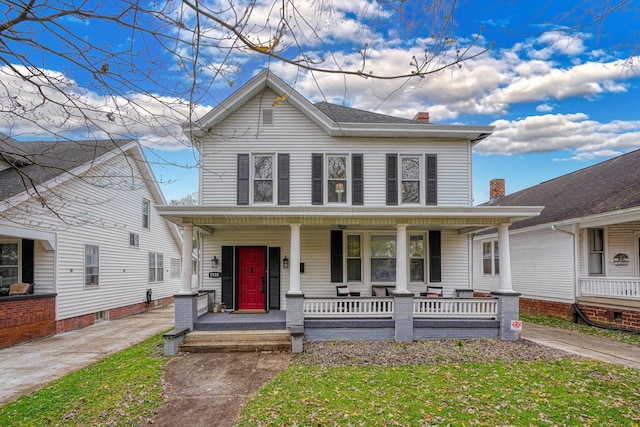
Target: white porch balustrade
203	304
348	307
478	308
615	287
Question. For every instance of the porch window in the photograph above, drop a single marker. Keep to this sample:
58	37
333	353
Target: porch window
337	179
410	183
263	179
383	258
490	258
9	263
146	207
354	258
91	266
416	258
595	237
156	272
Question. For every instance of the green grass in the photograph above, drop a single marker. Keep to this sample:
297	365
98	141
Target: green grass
564	392
620	336
122	389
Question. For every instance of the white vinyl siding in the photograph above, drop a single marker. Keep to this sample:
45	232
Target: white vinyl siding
107	222
297	135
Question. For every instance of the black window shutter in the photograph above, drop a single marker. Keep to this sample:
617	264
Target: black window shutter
316	179
357	172
274	278
283	179
435	266
392	179
336	256
243	179
432	179
227	276
27	260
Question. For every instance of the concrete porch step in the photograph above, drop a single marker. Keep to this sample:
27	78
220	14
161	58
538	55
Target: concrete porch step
236	341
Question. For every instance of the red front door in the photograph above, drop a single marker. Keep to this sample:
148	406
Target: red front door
251	278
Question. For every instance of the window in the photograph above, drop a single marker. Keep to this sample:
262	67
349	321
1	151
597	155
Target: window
91	266
383	258
337	179
416	258
175	268
354	258
9	263
263	179
156	272
410	183
146	206
595	237
490	258
134	240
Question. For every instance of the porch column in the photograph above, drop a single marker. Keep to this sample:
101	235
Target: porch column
187	253
504	255
294	267
401	259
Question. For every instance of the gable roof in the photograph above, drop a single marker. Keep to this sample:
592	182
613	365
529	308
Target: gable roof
34	163
333	119
605	187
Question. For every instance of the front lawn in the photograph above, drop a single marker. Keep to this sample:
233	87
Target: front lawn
122	389
565	392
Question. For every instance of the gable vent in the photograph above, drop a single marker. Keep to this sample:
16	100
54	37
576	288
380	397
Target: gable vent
267	116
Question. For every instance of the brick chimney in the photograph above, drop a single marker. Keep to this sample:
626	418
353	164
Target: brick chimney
422	116
496	189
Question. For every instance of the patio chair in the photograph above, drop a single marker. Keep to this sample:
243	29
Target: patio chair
343	291
433	291
20	288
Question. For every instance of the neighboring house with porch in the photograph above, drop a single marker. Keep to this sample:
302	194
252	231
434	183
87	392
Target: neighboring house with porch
583	249
78	224
299	200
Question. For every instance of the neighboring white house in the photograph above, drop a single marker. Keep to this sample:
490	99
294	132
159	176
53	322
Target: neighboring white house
297	198
584	248
78	220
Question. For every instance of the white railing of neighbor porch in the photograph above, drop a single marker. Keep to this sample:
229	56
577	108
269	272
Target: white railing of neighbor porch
617	287
348	307
203	304
486	308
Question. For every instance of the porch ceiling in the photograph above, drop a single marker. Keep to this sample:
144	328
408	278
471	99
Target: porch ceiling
464	219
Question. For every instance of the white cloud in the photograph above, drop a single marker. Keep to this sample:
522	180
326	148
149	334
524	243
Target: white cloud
575	132
544	108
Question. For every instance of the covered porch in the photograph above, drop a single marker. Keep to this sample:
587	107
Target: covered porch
307	295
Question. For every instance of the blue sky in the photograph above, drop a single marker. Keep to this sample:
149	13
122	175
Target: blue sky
560	98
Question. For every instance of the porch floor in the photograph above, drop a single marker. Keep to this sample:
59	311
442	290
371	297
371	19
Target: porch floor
230	321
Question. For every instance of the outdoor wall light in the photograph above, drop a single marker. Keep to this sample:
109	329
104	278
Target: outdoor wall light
215	262
285	262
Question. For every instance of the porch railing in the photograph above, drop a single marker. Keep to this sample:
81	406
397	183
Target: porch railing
203	304
485	308
348	307
618	287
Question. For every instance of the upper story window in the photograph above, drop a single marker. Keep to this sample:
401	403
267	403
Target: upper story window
490	259
263	178
91	266
595	242
337	179
411	179
410	183
146	209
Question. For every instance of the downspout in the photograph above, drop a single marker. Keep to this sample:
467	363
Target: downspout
575	259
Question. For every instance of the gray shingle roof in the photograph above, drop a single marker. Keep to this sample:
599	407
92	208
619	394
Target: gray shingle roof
342	114
608	186
36	162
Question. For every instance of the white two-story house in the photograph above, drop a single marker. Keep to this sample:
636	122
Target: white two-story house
297	199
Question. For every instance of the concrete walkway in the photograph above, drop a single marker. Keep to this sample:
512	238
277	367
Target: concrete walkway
27	367
583	345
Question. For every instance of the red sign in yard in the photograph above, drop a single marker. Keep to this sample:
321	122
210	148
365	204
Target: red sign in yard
516	325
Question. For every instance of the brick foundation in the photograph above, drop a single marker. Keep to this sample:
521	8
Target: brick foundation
539	307
25	318
615	317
